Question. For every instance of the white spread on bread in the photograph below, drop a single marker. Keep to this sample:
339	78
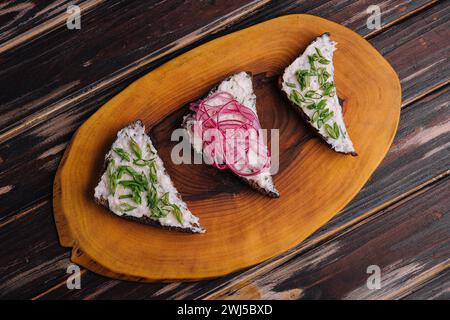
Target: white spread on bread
240	86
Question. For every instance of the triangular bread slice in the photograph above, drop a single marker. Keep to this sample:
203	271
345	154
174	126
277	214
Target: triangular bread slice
136	186
308	82
240	86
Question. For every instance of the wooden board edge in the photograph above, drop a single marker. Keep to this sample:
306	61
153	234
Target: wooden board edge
62	226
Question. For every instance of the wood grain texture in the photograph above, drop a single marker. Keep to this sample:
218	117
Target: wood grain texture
436	289
39	150
416	242
40	262
266	227
423	142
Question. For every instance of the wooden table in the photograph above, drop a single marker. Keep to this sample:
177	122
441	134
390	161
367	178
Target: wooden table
53	78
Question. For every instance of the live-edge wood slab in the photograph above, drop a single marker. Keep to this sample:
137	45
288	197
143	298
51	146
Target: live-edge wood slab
243	227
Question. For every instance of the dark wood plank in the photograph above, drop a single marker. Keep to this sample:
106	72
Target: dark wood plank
52	142
436	289
417	157
405	241
64	66
109	50
350	13
23	20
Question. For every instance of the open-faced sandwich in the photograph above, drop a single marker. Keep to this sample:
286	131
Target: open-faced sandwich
309	84
225	128
136	186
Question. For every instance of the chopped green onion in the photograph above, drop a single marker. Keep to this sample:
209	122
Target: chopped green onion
159	207
328	117
140	162
321	104
152	199
137	177
150	149
137	196
327	88
121	171
303	78
131	184
153	172
322	76
158	212
319	53
324	61
320	58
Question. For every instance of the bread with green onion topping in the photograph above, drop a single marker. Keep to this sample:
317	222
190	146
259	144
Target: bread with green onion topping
135	185
308	83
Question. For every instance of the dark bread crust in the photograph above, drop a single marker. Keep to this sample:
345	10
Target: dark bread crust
143	220
249	182
303	115
255	186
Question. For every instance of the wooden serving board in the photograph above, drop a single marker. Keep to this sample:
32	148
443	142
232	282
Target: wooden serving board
243	227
